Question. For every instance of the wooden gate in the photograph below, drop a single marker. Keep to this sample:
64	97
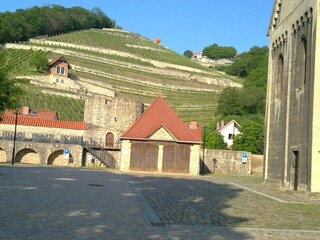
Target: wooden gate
176	158
144	156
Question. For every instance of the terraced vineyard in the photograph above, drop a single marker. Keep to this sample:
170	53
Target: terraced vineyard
126	63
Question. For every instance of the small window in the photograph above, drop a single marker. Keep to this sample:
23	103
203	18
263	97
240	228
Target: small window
62	81
57	80
231	136
62	70
58	69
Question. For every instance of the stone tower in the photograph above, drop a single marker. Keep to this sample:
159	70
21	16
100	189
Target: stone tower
107	118
292	139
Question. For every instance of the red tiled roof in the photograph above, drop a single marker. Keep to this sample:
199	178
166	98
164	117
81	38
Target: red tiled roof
56	59
38	122
42	114
157	115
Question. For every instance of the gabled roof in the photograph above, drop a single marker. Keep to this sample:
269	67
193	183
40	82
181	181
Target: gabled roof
38	122
226	125
56	59
158	115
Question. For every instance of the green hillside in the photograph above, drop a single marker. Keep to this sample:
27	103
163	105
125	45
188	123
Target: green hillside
126	63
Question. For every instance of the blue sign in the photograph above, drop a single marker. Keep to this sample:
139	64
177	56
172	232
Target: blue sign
66	153
244	157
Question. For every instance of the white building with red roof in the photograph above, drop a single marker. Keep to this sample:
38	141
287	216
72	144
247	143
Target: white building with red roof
160	142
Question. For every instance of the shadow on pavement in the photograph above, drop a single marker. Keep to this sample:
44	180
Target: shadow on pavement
189	201
70	203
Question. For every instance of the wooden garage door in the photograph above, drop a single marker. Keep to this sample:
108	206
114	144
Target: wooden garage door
144	157
176	158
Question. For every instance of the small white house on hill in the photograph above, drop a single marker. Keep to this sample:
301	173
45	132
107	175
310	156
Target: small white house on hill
228	131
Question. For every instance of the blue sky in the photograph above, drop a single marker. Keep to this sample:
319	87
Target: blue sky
181	24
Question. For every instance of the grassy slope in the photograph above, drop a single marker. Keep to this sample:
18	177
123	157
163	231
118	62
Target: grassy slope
192	104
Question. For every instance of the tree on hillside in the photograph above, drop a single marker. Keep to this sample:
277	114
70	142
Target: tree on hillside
250	139
9	92
52	19
229	102
247	61
40	62
215	51
188	53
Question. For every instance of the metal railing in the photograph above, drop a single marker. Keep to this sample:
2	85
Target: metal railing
43	138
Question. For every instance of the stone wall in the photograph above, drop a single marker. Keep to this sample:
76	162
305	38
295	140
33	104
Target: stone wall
29	130
293	109
41	153
226	161
104	115
257	163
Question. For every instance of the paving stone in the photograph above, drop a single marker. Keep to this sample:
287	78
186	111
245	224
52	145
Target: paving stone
59	203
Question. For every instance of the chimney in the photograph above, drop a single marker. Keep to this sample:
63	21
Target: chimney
222	123
193	126
25	110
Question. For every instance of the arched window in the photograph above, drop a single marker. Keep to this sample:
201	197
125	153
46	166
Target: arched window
62	70
58	69
279	85
109	139
303	61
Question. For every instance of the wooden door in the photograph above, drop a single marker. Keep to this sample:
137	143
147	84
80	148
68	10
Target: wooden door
176	158
144	156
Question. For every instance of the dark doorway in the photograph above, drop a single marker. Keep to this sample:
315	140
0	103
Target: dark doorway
296	170
109	140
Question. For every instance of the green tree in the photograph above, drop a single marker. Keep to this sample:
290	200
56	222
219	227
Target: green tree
251	138
214	140
252	100
247	61
229	102
50	19
9	92
188	53
40	62
215	51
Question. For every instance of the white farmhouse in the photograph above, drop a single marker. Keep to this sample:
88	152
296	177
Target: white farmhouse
228	131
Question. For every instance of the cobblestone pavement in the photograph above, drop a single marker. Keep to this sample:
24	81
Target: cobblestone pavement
217	201
70	203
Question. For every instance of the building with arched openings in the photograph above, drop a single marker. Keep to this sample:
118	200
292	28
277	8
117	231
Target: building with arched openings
292	139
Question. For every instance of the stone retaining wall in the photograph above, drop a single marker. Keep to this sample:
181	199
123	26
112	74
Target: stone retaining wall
226	161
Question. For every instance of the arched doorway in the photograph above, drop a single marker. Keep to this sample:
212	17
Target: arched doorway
27	156
57	158
109	139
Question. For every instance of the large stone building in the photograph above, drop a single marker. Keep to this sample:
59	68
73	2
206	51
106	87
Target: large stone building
292	148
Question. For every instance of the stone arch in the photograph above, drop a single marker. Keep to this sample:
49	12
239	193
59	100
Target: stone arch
3	155
109	139
57	158
28	156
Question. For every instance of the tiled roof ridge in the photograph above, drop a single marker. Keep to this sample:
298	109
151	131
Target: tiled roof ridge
38	122
227	124
144	113
185	134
